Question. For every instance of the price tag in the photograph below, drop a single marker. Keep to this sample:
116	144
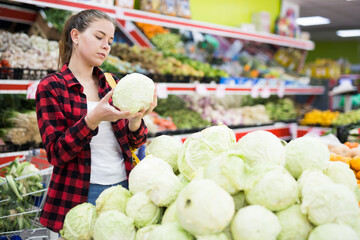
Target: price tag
265	93
255	91
220	91
31	90
281	89
201	89
161	90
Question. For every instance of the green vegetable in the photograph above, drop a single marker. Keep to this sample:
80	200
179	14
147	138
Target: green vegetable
79	222
333	231
204	208
113	198
170	231
14	187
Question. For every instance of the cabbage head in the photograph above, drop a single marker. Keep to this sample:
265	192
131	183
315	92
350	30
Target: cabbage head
170	231
227	170
294	224
78	222
167	148
276	190
255	222
340	172
310	179
143	210
201	147
333	231
306	153
155	177
114	225
170	214
113	198
144	233
218	236
133	93
330	203
262	146
204	208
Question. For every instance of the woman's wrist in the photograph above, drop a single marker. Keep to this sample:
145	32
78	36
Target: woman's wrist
92	125
134	125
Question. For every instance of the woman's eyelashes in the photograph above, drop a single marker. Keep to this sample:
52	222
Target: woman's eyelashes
100	38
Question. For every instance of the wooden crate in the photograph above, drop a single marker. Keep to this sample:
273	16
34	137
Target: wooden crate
44	29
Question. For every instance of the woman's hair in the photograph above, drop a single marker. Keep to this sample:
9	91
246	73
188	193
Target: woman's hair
81	22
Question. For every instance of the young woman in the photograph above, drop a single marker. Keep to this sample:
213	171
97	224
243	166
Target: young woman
87	140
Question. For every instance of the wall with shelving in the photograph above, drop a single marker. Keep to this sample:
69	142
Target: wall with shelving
232	12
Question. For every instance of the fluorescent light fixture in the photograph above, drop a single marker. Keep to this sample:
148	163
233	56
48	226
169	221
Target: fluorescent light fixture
310	21
348	33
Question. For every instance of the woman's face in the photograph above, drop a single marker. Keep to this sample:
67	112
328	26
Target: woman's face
94	43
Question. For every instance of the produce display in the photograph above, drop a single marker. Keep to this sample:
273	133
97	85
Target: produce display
23	51
151	30
318	117
349	117
220	188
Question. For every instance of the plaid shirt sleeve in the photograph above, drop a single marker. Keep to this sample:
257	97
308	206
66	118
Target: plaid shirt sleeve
62	143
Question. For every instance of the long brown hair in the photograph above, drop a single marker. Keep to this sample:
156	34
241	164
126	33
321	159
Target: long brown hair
81	22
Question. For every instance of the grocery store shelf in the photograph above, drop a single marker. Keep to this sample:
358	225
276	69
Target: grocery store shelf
189	88
163	89
176	22
17	14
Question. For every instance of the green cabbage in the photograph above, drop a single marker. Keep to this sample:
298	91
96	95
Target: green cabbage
340	172
276	190
170	214
114	225
201	147
113	198
204	208
306	153
218	236
144	233
262	146
155	177
167	148
143	210
78	222
133	93
170	231
255	222
294	224
330	203
310	179
333	231
227	170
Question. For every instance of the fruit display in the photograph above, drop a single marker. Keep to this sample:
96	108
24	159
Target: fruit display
350	117
348	153
116	65
327	68
318	117
151	30
219	188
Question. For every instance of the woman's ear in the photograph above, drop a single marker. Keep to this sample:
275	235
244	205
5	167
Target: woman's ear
74	33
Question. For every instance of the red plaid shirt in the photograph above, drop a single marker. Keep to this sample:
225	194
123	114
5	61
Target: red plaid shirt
61	107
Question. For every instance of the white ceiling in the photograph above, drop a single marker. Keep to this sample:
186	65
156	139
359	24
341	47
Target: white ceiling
342	14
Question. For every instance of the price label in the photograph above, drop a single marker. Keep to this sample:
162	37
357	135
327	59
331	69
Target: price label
265	93
220	91
161	91
281	89
255	91
201	89
31	90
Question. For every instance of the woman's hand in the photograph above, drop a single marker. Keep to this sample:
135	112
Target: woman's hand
105	112
135	122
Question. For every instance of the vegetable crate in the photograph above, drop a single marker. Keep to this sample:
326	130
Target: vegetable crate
22	194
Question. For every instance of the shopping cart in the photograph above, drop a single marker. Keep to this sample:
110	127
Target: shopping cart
22	198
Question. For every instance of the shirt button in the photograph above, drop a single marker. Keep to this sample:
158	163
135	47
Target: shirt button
87	163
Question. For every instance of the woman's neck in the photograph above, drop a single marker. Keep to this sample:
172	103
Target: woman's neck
80	69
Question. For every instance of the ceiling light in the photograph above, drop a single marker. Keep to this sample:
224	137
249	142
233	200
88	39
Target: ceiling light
348	33
310	21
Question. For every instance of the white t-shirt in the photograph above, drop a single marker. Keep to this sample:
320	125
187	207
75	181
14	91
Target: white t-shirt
107	161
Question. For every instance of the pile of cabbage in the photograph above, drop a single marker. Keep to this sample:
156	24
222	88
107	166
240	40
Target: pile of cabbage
212	187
